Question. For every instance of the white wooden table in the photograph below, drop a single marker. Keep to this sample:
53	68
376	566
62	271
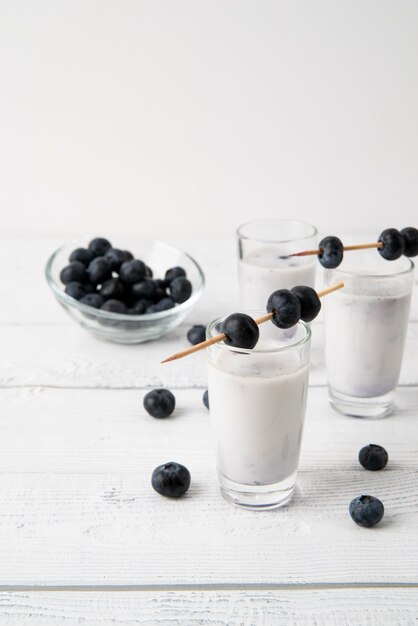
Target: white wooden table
84	538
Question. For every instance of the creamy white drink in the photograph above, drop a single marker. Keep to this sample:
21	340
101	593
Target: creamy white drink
268	268
264	264
257	405
365	331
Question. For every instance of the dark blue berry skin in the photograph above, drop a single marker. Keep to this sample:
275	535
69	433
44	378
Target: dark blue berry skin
116	258
148	272
161	284
196	334
128	255
99	270
241	331
159	403
75	290
92	299
394	244
286	308
410	236
114	306
205	399
113	289
139	307
165	304
99	246
310	304
180	289
171	480
366	511
146	288
74	272
174	272
132	271
331	252
82	255
373	457
159	295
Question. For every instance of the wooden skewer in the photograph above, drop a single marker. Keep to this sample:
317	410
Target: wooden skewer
221	336
359	246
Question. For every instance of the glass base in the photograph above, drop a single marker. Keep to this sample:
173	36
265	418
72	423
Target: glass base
372	408
257	497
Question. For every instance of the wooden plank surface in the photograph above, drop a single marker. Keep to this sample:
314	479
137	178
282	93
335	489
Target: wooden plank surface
309	607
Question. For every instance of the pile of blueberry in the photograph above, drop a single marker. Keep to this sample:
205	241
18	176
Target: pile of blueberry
395	243
110	279
287	307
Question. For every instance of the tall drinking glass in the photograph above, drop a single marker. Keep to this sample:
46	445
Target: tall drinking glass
257	405
264	264
365	330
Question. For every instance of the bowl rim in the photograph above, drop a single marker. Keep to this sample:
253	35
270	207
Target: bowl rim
146	317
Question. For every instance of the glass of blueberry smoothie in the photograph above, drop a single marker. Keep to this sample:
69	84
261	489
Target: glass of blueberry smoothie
257	404
264	264
365	329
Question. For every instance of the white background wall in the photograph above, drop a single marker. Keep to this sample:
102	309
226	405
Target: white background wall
177	117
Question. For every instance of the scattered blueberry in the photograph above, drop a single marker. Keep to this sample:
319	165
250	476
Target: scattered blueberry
171	480
410	236
99	270
331	252
116	258
205	398
132	271
373	457
99	246
82	255
113	289
366	511
174	272
74	272
310	304
394	244
75	290
92	299
146	288
159	403
196	334
286	308
241	331
114	306
180	289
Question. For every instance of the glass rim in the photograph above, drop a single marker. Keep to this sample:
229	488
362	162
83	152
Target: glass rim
347	273
220	345
239	231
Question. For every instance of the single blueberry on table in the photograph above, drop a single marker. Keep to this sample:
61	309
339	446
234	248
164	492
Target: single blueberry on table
159	403
373	457
113	288
82	255
310	304
75	290
180	289
74	272
92	299
331	252
99	246
99	270
286	308
171	479
241	331
132	271
366	511
146	288
115	257
174	272
205	398
393	244
410	236
196	334
114	306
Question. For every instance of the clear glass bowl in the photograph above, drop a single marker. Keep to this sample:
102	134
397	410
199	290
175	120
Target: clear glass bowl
128	328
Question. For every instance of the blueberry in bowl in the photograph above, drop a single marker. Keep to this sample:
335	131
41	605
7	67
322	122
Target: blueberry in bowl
118	290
